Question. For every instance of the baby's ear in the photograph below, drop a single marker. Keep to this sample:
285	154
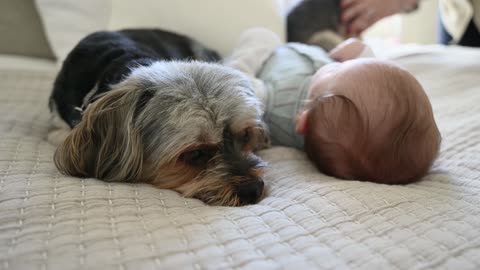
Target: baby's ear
301	125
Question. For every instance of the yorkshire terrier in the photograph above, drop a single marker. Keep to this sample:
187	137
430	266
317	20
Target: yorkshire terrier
138	114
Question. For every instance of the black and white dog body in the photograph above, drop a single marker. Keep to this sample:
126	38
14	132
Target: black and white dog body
104	58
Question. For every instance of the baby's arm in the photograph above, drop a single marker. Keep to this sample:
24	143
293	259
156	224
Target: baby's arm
254	47
351	49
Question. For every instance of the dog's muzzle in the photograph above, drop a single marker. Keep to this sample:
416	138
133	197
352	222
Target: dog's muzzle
250	193
246	168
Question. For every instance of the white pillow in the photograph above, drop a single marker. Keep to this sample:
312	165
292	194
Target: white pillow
215	23
68	21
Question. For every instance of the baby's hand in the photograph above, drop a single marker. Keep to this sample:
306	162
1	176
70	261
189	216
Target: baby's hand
350	49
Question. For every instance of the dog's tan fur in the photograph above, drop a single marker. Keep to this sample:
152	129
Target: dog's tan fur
195	109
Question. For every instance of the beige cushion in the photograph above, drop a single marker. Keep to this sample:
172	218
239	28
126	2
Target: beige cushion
68	21
215	23
21	30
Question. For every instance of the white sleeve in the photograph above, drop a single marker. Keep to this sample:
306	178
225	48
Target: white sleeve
252	50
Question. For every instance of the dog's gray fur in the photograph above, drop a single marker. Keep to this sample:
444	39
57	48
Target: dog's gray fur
173	124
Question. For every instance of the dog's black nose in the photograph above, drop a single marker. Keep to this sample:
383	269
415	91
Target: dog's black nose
250	192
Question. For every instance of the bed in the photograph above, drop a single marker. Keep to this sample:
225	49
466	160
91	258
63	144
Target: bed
307	220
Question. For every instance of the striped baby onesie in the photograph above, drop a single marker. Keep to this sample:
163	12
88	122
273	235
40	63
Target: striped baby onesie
287	74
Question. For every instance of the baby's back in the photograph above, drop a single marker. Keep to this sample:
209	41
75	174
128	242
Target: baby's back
287	75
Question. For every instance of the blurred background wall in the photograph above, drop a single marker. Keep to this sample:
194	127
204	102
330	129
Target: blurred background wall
417	27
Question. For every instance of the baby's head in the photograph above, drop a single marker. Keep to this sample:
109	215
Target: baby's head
369	120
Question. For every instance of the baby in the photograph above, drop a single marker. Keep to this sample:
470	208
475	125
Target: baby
356	118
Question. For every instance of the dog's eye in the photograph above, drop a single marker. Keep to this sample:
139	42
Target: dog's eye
198	157
246	137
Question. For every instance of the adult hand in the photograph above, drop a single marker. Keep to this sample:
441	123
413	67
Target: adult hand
358	15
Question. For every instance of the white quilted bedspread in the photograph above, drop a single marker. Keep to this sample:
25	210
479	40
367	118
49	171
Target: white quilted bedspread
307	221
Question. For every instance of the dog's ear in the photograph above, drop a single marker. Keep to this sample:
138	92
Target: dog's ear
105	144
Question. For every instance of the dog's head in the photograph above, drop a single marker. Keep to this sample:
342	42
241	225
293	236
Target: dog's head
187	126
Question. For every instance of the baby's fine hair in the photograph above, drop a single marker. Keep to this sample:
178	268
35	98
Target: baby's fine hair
384	132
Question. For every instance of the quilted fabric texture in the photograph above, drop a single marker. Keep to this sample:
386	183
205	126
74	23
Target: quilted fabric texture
307	221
